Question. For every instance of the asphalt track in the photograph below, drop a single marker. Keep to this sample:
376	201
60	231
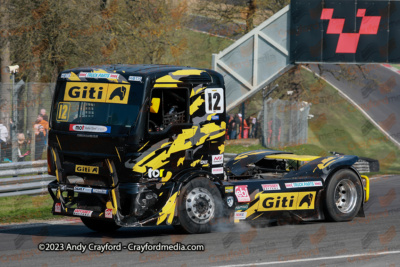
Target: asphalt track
375	89
370	241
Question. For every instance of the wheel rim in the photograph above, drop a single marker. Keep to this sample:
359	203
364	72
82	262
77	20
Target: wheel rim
345	196
200	205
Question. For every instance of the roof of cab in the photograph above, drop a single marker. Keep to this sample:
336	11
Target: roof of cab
137	69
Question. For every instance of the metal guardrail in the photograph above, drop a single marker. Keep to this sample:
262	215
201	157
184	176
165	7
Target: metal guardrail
24	178
31	178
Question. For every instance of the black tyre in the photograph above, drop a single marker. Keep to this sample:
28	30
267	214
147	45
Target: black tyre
199	206
343	196
100	225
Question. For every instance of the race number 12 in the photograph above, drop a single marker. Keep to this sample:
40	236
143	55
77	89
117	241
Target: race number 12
214	98
63	111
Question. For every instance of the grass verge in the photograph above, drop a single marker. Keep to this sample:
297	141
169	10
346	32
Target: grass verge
24	208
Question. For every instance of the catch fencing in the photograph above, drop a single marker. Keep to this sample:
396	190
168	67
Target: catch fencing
20	103
285	123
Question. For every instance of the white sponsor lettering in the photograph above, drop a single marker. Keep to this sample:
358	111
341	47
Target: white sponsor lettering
57	208
98	75
135	78
89	128
84	213
303	184
240	215
217	170
217	159
108	213
83	189
155	173
268	187
242	194
100	191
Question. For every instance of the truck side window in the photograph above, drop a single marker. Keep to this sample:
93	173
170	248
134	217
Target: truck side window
168	106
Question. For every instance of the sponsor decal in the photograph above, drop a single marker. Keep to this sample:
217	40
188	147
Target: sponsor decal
242	207
108	213
155	173
203	162
214	100
57	208
242	194
217	159
228	189
135	78
287	201
215	118
240	215
303	184
348	42
83	189
89	128
84	213
98	75
229	201
100	191
87	169
217	170
97	92
269	187
66	75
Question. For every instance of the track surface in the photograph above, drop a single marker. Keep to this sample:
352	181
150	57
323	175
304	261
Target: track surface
370	241
376	90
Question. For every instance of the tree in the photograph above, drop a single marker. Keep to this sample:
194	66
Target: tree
5	60
232	18
148	31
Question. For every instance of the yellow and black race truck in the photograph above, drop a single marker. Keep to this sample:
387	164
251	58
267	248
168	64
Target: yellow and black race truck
141	145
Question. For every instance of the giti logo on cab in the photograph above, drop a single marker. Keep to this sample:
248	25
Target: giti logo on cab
87	169
97	92
287	201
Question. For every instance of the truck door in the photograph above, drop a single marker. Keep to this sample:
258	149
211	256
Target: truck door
170	131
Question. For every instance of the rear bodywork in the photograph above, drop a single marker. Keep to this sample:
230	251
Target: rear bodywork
280	183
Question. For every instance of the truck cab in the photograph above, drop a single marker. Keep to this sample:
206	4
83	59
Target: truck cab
123	138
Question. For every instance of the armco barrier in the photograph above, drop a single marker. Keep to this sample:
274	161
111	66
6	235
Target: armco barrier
24	178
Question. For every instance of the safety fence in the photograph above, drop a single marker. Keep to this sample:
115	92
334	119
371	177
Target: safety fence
24	178
285	123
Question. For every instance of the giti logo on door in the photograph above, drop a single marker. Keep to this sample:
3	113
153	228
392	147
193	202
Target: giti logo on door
87	169
97	92
287	201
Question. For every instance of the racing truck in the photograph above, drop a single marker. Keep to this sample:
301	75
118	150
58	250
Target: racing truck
143	145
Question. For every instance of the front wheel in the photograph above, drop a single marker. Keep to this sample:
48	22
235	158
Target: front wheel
100	225
199	206
343	196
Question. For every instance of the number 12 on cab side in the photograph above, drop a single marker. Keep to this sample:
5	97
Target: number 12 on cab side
214	98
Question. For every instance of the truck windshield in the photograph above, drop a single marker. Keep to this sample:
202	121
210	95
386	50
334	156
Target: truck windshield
102	104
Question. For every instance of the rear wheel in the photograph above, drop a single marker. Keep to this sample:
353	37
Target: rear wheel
199	206
100	225
343	196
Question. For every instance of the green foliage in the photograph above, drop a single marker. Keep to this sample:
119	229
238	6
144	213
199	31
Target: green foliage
24	208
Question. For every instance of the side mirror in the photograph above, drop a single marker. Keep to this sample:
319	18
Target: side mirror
155	105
